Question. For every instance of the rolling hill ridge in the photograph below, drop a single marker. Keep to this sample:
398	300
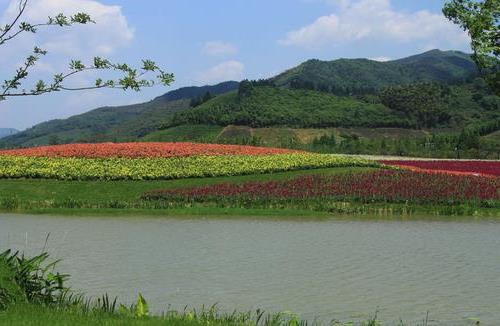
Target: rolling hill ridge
432	90
114	123
348	76
4	132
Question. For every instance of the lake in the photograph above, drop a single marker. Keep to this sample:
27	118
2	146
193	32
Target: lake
342	269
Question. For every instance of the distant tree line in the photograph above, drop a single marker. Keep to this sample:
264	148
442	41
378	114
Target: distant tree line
466	144
246	86
336	89
424	103
197	101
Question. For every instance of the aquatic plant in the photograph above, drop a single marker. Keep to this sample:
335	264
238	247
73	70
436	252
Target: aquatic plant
35	278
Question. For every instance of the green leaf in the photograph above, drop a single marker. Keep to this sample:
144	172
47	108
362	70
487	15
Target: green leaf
142	308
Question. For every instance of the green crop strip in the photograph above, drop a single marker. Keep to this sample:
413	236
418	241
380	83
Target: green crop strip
167	168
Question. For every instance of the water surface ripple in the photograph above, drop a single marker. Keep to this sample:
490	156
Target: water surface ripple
327	269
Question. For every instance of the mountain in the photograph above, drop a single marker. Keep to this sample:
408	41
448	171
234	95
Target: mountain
347	76
193	92
114	123
415	106
316	94
433	90
265	106
4	132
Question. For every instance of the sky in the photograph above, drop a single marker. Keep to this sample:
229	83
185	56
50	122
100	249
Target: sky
206	42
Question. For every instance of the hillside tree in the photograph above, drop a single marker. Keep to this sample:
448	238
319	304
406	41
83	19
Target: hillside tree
424	103
481	19
128	77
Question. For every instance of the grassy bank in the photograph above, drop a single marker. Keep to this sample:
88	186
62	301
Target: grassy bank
124	198
33	293
355	212
127	190
30	314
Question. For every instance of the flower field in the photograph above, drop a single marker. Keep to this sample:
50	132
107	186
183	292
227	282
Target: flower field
142	150
384	185
158	168
457	167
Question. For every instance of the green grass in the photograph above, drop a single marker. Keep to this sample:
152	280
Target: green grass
39	315
43	189
26	314
94	198
181	213
123	198
30	314
190	133
350	211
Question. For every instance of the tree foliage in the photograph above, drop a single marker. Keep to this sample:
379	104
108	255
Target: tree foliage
415	106
265	106
348	77
481	19
245	89
130	77
199	100
424	103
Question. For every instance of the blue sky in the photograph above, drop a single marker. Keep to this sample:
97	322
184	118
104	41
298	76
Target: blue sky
205	42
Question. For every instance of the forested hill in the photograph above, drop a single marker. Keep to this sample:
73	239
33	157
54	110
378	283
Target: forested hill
357	76
415	106
436	89
266	106
114	123
193	92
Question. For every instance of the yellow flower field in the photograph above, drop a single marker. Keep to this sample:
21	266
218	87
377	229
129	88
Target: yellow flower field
167	168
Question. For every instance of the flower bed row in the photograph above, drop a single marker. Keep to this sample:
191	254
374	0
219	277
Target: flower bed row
385	185
462	167
141	150
166	168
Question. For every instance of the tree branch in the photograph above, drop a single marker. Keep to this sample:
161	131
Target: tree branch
8	27
59	20
132	78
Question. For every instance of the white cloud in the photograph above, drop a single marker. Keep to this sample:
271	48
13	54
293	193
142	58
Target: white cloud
229	70
219	48
376	20
110	32
338	3
381	59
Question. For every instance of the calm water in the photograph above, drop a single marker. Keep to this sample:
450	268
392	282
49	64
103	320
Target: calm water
327	269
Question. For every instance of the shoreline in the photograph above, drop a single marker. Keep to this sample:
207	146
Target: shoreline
371	213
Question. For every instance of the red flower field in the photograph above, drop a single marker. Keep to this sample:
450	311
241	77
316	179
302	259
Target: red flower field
454	167
141	150
381	185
